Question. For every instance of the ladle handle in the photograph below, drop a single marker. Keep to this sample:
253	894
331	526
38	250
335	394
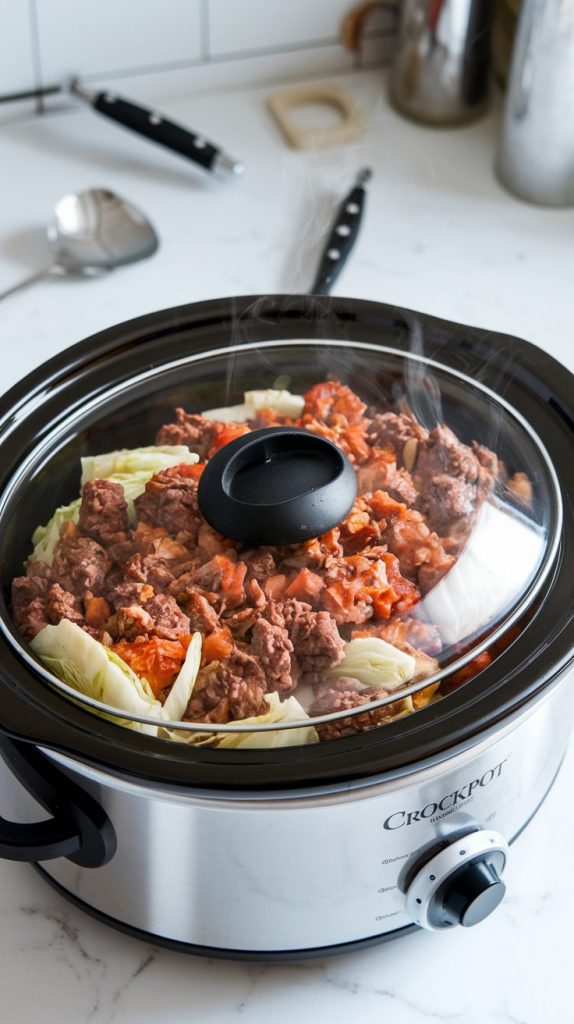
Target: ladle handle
27	281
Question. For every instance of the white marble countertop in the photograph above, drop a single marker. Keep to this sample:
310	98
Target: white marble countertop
440	235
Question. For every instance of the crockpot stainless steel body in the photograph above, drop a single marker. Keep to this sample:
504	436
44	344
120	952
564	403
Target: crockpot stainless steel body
297	852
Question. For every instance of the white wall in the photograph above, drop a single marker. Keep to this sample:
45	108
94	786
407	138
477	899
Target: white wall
169	46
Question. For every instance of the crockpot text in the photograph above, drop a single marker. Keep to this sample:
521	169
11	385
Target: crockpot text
401	818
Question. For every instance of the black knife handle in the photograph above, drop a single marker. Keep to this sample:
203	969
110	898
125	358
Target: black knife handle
341	241
156	128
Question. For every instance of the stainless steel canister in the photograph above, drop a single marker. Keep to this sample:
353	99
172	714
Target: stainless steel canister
536	152
440	72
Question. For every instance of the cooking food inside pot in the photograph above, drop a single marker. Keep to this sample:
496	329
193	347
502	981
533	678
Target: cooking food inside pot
132	598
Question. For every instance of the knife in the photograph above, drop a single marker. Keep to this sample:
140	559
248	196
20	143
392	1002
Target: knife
149	123
157	128
342	237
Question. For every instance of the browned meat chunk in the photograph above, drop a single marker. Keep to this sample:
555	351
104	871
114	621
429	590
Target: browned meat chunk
228	690
447	476
420	553
130	622
260	564
393	430
314	635
29	604
331	699
382	475
60	604
271	644
80	565
202	617
193	430
223	577
169	622
104	512
170	501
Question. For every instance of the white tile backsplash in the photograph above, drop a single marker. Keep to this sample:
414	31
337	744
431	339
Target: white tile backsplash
16	66
94	37
166	46
236	25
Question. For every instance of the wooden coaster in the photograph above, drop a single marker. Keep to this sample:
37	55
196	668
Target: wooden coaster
283	102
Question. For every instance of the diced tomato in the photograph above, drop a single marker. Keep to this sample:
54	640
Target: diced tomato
274	587
217	646
156	660
98	611
228	433
305	586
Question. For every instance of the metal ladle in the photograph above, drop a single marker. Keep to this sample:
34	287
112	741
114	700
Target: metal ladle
93	231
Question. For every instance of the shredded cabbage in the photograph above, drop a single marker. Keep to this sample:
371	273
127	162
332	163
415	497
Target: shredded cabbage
376	663
144	461
284	403
288	710
92	669
178	697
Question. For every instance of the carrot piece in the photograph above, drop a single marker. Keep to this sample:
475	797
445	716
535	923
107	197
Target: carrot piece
217	646
305	586
98	611
274	587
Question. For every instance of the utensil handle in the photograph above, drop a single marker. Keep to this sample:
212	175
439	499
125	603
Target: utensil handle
78	829
342	238
28	280
157	128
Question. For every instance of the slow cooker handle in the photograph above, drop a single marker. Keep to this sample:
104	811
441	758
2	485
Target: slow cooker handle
79	829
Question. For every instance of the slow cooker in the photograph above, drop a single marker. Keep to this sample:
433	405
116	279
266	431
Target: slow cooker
293	850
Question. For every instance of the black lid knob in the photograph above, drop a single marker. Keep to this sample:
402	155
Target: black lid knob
473	892
279	485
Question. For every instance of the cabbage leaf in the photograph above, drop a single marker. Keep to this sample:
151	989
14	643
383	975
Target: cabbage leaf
94	670
376	663
288	710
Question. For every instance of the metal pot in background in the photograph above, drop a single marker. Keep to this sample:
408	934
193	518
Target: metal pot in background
536	153
440	71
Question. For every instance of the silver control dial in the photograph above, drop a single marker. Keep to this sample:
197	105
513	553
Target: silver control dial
460	884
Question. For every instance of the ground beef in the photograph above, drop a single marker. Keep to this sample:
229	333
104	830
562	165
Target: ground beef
331	699
130	622
60	604
448	500
149	569
383	475
80	565
447	477
170	501
29	604
228	690
420	552
254	594
272	646
104	512
391	429
169	621
492	469
224	578
260	564
202	617
191	430
314	635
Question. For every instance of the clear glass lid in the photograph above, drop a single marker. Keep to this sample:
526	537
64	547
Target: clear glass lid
281	543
